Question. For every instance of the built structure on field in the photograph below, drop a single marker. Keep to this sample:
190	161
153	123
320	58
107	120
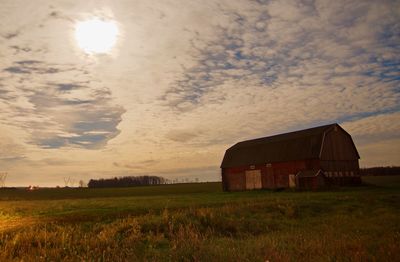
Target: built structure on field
307	159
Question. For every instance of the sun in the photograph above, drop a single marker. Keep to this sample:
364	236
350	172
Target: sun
96	36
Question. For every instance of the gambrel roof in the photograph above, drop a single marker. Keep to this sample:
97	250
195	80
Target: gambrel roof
298	145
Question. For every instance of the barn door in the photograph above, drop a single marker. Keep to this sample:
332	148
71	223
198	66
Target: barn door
292	181
253	179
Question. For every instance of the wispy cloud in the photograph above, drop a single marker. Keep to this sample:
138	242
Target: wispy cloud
281	66
61	114
298	45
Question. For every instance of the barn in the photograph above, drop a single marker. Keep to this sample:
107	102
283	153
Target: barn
307	159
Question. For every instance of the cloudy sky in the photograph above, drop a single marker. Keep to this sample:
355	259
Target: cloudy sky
186	79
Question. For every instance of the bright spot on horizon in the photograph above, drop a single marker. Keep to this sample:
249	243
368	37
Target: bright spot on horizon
96	36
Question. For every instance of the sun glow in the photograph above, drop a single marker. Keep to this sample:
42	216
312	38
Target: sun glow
96	36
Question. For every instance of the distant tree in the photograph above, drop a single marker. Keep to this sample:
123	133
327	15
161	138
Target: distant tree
3	177
380	171
67	180
81	183
126	181
72	182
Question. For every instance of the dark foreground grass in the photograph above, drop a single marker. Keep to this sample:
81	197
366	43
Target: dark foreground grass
382	181
347	224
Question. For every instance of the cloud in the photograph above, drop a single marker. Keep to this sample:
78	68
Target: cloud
31	67
11	35
138	166
87	123
182	135
62	114
203	173
68	86
287	65
16	70
375	127
12	152
377	138
19	49
311	47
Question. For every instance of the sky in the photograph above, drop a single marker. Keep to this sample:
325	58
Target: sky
185	80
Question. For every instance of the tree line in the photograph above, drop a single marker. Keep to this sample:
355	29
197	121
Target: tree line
380	171
126	181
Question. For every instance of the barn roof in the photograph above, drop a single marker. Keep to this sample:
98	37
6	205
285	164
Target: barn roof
298	145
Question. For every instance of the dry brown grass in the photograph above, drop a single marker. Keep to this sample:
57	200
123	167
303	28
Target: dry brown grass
350	225
12	223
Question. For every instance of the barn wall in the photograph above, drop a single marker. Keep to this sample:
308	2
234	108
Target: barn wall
276	175
347	165
234	180
224	179
267	177
344	181
273	175
338	145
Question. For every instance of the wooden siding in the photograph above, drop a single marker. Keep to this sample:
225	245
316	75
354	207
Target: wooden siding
346	165
234	180
276	175
273	175
344	181
337	145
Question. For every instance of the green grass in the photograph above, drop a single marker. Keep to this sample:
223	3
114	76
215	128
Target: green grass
79	193
198	222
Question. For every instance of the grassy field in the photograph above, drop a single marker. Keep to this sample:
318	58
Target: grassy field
198	222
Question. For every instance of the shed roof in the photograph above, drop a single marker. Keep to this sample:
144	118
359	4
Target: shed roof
309	173
298	145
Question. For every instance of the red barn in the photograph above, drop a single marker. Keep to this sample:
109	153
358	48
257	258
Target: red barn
306	159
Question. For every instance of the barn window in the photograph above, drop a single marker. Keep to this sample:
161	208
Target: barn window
268	165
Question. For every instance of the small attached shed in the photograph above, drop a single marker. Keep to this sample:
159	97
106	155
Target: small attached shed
310	179
275	161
